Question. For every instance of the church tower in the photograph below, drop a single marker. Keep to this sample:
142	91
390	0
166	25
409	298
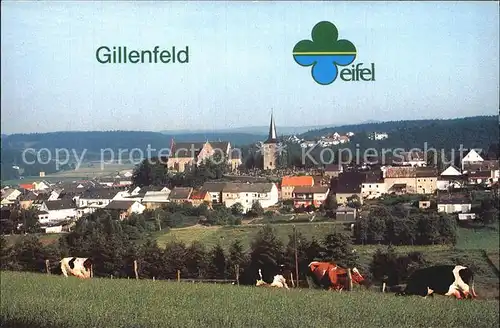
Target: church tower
270	148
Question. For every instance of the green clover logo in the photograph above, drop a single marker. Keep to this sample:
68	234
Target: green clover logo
325	52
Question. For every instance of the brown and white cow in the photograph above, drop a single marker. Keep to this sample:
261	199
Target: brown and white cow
80	267
330	276
448	280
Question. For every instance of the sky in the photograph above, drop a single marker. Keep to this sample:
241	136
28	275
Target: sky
432	60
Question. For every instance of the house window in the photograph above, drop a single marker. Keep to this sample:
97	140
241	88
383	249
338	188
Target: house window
377	186
270	163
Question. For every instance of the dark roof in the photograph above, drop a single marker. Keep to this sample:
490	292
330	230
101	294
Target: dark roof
374	177
401	172
426	172
350	182
192	149
333	167
272	136
222	145
186	149
28	196
119	205
398	186
180	193
105	180
235	154
144	190
486	165
345	209
453	198
61	204
480	174
43	196
310	190
214	186
99	193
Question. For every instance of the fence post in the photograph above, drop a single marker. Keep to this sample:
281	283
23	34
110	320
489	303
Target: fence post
47	266
135	270
178	275
349	280
291	278
237	271
383	287
111	276
153	278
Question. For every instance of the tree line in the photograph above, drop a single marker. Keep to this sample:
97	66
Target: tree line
113	250
400	225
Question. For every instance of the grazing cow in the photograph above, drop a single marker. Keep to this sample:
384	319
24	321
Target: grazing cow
278	281
448	280
80	267
332	277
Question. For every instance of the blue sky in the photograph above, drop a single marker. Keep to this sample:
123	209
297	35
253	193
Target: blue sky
433	60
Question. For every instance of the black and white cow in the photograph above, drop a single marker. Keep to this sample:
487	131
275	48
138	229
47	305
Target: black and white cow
448	280
277	275
80	267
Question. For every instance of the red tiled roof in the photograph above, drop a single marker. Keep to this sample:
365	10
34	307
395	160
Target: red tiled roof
305	180
199	194
27	186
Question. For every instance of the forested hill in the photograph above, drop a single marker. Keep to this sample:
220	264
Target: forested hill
94	141
471	132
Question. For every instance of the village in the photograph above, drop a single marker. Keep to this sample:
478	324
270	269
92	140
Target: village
336	192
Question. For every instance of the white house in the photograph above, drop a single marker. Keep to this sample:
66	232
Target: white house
378	136
454	203
215	191
97	198
472	157
9	196
125	208
450	177
53	228
466	216
127	174
54	195
57	210
373	190
42	185
154	199
246	194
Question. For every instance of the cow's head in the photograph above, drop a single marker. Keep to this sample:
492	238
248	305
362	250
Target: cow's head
87	264
260	283
357	278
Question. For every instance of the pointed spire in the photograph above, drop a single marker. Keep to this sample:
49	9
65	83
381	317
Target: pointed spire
273	136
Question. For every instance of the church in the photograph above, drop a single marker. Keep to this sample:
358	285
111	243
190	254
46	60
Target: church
270	148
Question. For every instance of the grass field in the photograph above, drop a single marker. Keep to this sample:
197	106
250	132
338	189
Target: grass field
210	236
129	303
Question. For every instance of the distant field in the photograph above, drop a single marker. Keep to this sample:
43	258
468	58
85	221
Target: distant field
210	236
45	238
84	172
485	238
144	303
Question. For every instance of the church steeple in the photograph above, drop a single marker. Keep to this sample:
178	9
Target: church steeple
272	137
